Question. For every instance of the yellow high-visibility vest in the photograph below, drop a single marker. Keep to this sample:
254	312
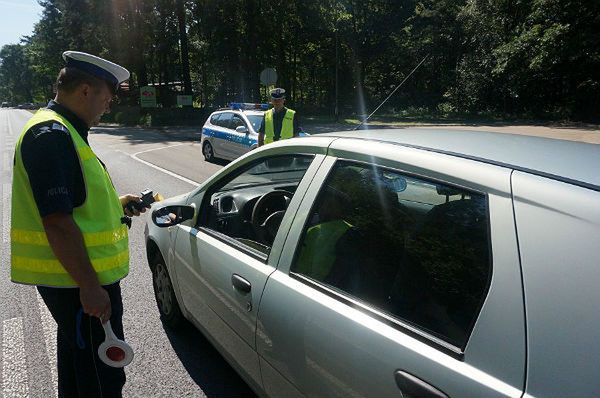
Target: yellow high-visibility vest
99	219
287	126
318	249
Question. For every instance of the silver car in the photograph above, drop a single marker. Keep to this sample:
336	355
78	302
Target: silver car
389	263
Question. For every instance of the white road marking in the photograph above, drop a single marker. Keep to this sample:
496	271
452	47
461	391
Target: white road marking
14	370
6	192
6	161
180	177
49	327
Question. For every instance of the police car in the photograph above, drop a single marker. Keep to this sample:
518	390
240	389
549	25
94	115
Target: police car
231	132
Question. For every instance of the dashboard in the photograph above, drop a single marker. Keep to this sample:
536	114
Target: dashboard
231	211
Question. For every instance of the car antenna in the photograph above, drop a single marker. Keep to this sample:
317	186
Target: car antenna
392	93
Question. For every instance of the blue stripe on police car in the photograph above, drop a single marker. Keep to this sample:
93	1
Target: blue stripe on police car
245	140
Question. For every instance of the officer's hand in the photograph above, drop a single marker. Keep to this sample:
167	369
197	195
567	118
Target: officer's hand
95	302
125	199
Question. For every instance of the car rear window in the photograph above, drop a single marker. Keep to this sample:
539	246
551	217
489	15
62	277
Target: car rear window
414	249
214	119
223	119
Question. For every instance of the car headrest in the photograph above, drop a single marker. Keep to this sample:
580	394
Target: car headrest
447	191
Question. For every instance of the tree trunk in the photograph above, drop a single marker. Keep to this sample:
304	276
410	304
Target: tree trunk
184	53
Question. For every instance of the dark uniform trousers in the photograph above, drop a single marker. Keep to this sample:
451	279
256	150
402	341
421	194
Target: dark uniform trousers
81	373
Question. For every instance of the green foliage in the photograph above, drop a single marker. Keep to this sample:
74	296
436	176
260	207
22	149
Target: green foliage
15	74
538	58
131	117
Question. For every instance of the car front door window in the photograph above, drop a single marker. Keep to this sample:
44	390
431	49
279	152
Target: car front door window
246	209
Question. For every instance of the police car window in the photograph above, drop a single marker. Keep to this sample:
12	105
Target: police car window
255	121
236	121
224	119
214	119
415	249
246	209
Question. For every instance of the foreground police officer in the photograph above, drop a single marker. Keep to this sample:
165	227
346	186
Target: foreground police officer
67	235
278	122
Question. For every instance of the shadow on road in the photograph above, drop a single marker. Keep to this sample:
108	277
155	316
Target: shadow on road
206	366
152	135
220	162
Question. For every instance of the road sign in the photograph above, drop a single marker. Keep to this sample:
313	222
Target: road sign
148	97
268	76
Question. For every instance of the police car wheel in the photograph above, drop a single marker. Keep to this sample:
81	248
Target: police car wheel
170	313
207	151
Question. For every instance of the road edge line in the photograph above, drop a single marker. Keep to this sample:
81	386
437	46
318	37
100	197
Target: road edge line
172	174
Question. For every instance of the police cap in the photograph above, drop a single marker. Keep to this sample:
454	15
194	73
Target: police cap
99	67
277	93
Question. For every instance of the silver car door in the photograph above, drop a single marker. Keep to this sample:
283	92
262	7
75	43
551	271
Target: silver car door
371	324
221	267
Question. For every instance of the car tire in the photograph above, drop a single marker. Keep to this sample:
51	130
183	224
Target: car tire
166	301
208	152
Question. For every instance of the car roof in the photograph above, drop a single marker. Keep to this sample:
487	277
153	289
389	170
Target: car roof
253	112
246	112
574	162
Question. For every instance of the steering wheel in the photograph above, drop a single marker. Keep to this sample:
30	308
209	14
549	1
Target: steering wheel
268	212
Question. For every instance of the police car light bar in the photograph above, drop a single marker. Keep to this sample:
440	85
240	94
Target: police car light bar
248	106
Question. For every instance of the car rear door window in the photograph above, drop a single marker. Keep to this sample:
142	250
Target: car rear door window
413	249
224	119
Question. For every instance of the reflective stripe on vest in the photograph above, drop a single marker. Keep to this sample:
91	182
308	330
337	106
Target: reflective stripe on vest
287	126
99	219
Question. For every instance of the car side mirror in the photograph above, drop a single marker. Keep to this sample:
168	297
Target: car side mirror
172	215
241	129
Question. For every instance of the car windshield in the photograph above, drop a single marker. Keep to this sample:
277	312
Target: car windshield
255	120
280	169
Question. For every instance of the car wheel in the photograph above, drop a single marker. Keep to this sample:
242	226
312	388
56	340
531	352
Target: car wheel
170	313
208	152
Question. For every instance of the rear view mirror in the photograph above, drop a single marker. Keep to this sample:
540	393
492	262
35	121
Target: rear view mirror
241	129
172	215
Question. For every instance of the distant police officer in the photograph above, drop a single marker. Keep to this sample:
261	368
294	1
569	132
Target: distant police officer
279	122
67	235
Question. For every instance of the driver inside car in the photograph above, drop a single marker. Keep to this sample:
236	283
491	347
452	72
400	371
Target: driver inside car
318	252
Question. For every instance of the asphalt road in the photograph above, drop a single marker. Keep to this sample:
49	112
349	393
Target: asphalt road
166	364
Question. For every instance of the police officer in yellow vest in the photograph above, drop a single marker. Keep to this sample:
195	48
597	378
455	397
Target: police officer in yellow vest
67	235
279	122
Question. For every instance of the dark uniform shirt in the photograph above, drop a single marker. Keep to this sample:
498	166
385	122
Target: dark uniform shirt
52	164
278	122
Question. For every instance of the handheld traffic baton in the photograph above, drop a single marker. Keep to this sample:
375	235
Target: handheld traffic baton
112	351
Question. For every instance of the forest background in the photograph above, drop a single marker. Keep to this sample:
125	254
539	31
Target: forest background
496	59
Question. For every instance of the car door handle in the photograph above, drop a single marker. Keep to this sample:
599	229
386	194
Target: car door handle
413	387
240	284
